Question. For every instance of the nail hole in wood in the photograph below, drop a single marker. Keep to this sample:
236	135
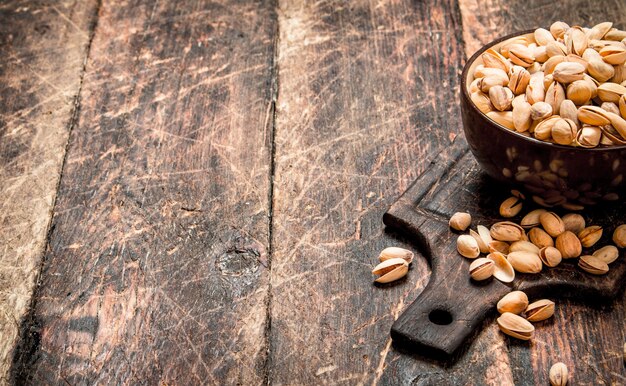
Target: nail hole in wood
440	317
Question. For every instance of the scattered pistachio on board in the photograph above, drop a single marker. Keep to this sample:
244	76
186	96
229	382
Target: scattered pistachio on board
558	374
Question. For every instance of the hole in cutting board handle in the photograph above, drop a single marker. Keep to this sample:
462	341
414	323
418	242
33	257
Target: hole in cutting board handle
440	317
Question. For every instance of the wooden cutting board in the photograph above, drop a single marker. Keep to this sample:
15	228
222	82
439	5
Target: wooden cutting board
452	306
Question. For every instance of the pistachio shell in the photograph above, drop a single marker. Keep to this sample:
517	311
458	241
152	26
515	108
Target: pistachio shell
564	131
516	326
573	222
514	302
611	92
568	72
491	58
540	111
543	36
555	94
580	92
619	236
552	223
482	101
390	270
396	253
510	207
460	221
593	115
501	97
499	246
540	238
504	118
593	265
608	254
590	235
467	246
540	310
519	78
503	270
522	116
523	246
558	29
550	256
521	55
481	269
614	55
558	374
589	136
532	218
525	262
507	231
569	245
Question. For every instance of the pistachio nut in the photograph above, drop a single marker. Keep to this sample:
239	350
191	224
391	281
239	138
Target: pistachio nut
522	116
610	107
558	29
589	136
590	235
510	207
599	30
503	270
504	118
491	58
543	130
499	246
564	131
600	70
485	238
516	326
460	221
540	111
390	270
481	71
550	64
593	265
555	48
396	253
525	262
575	41
536	91
622	106
482	246
611	92
619	123
619	74
519	77
514	302
543	36
467	246
568	110
507	231
552	223
593	115
573	222
486	83
501	97
608	254
615	34
523	246
550	256
568	244
555	94
580	92
504	48
568	72
540	53
481	101
619	236
521	55
532	218
540	238
539	310
481	269
613	54
558	374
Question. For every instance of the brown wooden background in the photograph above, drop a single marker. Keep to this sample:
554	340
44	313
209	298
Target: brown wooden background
191	192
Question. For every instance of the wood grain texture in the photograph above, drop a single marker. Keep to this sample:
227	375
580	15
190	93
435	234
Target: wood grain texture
43	45
587	337
367	99
156	270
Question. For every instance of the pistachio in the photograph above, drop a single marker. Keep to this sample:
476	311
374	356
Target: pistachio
580	92
535	92
540	111
516	326
619	236
555	94
519	77
491	58
618	123
525	262
549	66
593	265
550	256
467	246
599	30
568	244
514	302
501	97
622	106
608	254
543	36
503	270
540	238
481	269
593	115
396	253
558	374
523	246
521	55
613	54
611	92
590	235
600	70
619	74
588	136
390	270
460	221
532	218
543	130
610	107
568	72
481	71
482	246
499	246
507	231
615	34
573	222
552	223
485	237
504	118
522	116
555	48
558	29
564	131
576	41
482	101
540	310
510	207
486	83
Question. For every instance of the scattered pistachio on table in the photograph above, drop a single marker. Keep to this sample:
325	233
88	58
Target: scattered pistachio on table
558	374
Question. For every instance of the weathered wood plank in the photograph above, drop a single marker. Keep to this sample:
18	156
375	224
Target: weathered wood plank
43	45
367	99
156	271
588	338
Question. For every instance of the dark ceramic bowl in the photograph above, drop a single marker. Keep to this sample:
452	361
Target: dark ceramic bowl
552	174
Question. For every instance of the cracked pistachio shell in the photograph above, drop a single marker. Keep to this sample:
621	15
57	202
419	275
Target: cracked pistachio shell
552	223
599	30
504	118
622	106
580	92
543	36
492	58
600	70
569	110
467	246
503	270
486	83
592	264
558	374
593	115
550	256
555	95
396	253
484	238
532	218
575	40
550	64
543	130
514	302
558	29
390	270
610	107
619	236
522	116
519	77
525	262
481	71
564	131
568	72
589	136
568	244
536	91
613	54
501	97
610	92
540	111
521	55
523	246
481	269
615	35
608	253
511	207
618	123
590	235
482	101
507	231
555	48
540	238
499	246
460	221
574	222
516	326
540	310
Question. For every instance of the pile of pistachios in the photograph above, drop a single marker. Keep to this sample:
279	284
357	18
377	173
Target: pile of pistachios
566	85
513	305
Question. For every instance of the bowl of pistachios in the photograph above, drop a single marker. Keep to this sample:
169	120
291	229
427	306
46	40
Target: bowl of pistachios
545	110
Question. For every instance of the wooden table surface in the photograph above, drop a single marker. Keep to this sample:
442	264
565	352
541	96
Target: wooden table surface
192	192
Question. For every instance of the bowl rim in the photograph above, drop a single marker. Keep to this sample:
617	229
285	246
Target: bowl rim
513	133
